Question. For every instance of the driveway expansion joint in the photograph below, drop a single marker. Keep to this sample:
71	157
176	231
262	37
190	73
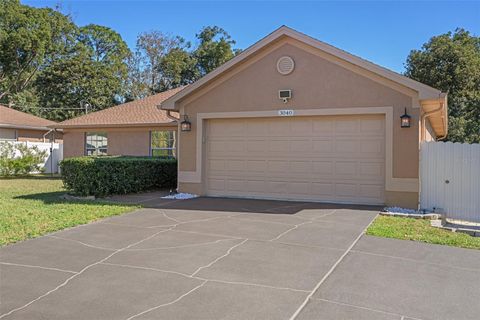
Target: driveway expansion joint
241	283
414	260
37	267
168	303
181	247
301	224
365	308
315	289
80	242
219	258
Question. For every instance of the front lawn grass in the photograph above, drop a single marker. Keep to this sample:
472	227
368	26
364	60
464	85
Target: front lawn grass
32	206
420	230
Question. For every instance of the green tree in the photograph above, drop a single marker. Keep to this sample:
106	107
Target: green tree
93	72
177	68
29	39
451	62
160	62
215	48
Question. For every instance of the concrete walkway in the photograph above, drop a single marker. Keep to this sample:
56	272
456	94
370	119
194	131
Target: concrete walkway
211	258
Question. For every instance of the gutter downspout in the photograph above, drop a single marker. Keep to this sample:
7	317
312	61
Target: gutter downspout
169	116
428	114
51	130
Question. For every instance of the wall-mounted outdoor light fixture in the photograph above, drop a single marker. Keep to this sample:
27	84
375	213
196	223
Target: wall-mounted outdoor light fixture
185	125
405	120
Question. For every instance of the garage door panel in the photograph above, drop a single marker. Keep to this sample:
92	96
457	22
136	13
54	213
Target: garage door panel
372	127
301	127
281	127
256	165
257	146
256	186
372	191
339	159
346	168
372	169
216	184
324	190
374	147
322	167
278	146
236	165
301	145
346	126
236	185
325	146
324	127
277	187
300	188
346	189
216	165
300	167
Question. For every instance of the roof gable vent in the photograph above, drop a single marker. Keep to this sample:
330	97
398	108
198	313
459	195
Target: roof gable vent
285	65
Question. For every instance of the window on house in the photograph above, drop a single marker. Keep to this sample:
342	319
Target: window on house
96	143
163	144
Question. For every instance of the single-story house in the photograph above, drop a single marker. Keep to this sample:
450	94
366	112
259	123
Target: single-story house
137	128
20	126
294	118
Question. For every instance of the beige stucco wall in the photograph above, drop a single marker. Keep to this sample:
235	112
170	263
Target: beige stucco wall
319	81
73	143
121	141
429	133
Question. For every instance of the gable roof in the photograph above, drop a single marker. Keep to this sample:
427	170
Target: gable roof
425	92
11	118
139	113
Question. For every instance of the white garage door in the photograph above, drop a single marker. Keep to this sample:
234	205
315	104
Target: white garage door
320	158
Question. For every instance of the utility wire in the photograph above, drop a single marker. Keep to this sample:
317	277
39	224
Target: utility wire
49	108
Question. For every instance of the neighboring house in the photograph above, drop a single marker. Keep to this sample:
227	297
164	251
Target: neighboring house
137	128
338	138
20	126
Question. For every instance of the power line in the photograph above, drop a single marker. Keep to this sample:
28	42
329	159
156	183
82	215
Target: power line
49	108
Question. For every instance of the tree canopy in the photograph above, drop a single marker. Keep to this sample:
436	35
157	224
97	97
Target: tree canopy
53	68
451	62
29	39
92	73
162	62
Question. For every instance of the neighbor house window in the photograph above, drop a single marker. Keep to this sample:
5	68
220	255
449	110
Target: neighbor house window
96	143
163	144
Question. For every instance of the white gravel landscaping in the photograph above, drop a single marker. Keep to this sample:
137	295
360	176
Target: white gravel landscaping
181	196
409	213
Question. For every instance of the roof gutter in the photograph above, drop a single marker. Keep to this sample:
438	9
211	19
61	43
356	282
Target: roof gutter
14	126
428	114
171	117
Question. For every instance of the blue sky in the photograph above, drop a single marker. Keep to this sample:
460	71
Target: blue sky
383	32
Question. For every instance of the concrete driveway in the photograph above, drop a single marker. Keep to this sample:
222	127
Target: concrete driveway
211	258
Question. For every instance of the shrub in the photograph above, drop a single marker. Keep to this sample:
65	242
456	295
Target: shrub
20	159
101	176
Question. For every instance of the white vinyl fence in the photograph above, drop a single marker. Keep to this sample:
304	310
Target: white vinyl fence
54	154
450	179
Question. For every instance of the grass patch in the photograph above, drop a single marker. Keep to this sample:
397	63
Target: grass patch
31	206
420	230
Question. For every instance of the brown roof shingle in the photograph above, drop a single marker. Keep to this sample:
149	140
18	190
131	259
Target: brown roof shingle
142	112
16	119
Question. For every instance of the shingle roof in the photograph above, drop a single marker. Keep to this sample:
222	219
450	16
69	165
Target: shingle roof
16	119
142	112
